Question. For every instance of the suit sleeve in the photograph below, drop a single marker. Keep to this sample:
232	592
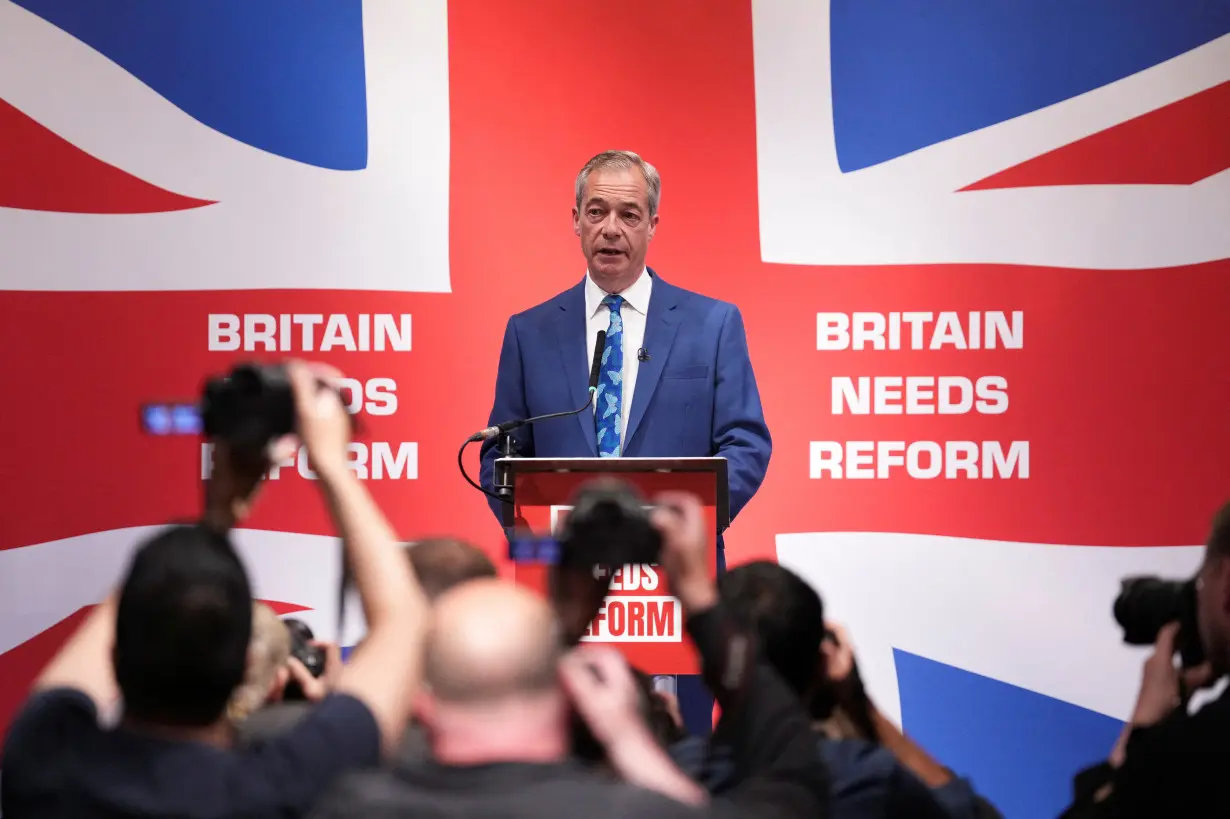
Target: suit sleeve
740	434
509	403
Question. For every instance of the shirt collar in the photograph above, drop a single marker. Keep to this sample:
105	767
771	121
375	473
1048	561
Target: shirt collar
636	296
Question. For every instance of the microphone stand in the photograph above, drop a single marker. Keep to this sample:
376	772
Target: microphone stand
501	479
508	447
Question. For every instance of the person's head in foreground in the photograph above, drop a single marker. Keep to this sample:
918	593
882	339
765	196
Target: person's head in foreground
787	616
182	629
267	674
492	690
442	563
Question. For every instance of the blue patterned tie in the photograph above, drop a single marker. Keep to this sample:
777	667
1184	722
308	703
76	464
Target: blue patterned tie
610	395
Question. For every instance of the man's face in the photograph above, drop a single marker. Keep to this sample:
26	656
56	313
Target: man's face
1213	611
615	226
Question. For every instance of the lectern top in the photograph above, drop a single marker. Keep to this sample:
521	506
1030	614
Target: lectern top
652	470
609	465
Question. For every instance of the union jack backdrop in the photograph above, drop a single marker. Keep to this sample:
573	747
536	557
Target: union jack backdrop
982	250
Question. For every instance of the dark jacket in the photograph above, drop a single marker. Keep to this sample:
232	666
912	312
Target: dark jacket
1176	768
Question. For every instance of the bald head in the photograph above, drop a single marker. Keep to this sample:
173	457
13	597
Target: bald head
491	641
442	563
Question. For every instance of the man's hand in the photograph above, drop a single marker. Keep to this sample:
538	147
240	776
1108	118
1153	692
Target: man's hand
852	712
670	703
838	653
1163	687
316	689
680	517
236	476
333	663
841	668
577	595
323	423
602	689
604	693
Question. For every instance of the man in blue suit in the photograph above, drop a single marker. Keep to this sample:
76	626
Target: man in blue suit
676	379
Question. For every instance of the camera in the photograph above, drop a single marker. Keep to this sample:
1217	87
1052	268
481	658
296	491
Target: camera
249	407
301	648
1147	603
609	525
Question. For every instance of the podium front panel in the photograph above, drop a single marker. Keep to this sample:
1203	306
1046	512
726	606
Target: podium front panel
640	617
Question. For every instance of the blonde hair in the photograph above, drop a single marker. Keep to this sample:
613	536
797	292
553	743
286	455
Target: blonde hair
268	652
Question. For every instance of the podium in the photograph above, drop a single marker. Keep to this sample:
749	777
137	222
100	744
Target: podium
640	616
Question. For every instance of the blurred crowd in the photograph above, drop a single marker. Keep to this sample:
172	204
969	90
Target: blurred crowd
469	696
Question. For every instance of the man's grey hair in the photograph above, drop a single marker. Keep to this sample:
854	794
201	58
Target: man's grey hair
623	160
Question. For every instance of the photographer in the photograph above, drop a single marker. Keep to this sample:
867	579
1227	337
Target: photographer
438	565
875	770
305	671
1169	762
174	642
500	685
268	670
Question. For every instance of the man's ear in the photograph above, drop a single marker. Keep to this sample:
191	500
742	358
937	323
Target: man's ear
576	221
653	227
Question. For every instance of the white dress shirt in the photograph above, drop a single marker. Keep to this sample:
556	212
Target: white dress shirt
634	311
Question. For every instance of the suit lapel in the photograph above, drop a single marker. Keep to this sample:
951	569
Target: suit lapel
571	344
660	325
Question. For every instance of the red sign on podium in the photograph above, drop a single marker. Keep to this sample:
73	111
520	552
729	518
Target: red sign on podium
640	616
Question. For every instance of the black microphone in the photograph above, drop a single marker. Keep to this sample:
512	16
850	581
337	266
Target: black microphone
508	426
642	354
596	367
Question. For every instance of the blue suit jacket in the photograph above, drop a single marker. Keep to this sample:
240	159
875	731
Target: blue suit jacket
696	396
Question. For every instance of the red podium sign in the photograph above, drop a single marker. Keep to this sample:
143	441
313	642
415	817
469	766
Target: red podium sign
640	617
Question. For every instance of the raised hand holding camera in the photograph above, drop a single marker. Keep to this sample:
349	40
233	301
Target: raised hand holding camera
315	665
680	517
237	474
1163	687
255	416
321	419
601	687
838	653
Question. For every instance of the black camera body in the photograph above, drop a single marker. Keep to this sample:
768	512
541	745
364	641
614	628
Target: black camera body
1147	603
608	526
301	648
249	407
